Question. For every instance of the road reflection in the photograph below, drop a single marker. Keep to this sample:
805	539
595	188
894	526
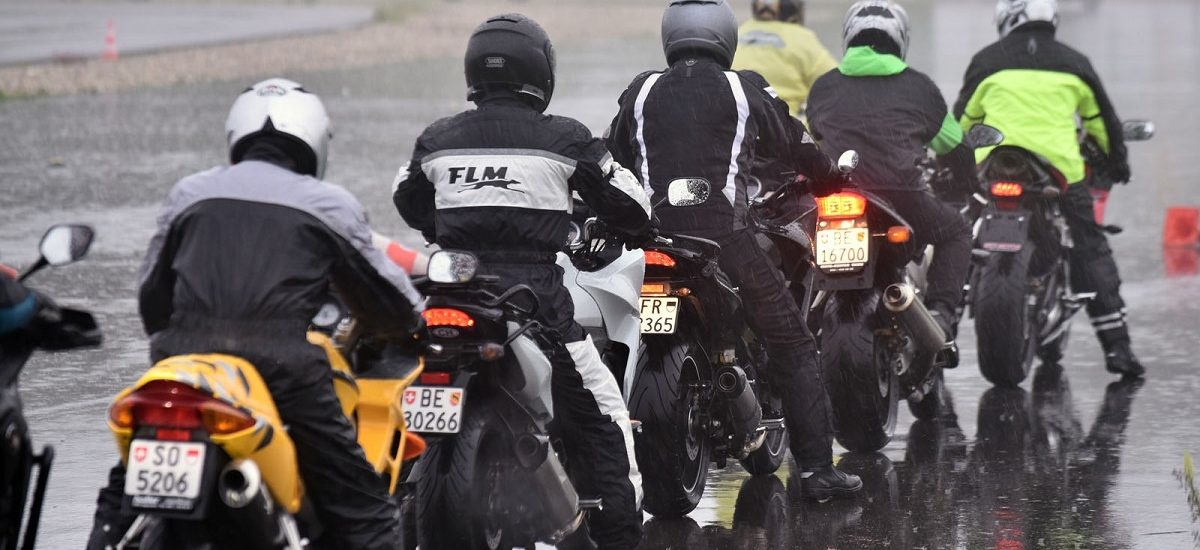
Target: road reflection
1034	478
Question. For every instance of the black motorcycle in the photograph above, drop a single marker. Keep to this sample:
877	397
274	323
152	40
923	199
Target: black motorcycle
698	396
1020	291
491	476
53	328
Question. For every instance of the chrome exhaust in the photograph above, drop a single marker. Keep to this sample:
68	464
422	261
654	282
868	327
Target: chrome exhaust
241	488
559	501
901	301
744	410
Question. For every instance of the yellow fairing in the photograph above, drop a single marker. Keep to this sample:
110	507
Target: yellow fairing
237	382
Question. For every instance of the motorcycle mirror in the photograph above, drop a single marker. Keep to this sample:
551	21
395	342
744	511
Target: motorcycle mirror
1137	130
848	161
688	191
982	135
452	266
62	244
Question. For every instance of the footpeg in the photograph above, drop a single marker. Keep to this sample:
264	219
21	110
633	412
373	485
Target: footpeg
591	504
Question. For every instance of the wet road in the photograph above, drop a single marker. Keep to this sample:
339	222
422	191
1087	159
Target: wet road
1074	460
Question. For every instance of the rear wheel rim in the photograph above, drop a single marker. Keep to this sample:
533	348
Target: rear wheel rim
695	438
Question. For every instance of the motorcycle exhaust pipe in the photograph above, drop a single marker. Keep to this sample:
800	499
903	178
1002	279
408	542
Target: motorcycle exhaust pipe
901	301
744	409
251	508
557	497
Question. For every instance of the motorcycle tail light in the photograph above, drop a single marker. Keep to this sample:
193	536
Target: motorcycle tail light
898	234
435	378
173	407
661	259
655	289
1007	189
841	205
447	317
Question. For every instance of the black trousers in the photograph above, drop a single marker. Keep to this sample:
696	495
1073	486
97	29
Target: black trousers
589	410
1093	268
937	223
794	367
348	496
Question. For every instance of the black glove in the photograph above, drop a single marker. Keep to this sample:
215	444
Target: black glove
1118	172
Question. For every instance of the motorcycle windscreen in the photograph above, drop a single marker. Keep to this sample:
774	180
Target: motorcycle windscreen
1003	230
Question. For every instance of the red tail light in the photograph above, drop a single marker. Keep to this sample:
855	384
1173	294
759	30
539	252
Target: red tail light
1007	189
841	205
172	407
447	317
435	378
661	259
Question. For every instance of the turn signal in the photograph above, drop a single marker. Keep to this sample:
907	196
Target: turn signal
661	259
219	418
841	205
447	317
1007	189
898	234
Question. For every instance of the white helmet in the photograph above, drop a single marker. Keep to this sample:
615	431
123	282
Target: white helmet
281	107
880	15
1011	14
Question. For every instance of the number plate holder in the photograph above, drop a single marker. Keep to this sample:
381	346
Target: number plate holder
1003	230
200	470
659	314
434	409
843	250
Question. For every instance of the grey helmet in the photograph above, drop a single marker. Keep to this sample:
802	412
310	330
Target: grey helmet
281	107
880	15
1011	14
707	26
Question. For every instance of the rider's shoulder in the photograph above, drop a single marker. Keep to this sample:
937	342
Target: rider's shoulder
636	83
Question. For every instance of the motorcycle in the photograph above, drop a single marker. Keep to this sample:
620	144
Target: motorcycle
54	328
1019	290
208	459
493	475
697	393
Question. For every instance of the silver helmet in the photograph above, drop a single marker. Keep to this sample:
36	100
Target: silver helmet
1011	14
281	107
880	15
707	26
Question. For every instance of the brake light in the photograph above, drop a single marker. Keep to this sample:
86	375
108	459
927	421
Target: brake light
447	317
435	378
841	205
661	259
173	407
1007	189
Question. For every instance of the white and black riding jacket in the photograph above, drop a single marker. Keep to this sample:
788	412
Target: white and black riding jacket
697	120
498	181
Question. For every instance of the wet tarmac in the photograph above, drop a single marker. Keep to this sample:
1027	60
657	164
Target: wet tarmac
1073	460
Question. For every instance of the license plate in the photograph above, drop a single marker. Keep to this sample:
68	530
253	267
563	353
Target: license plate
840	250
659	315
429	409
1004	231
164	475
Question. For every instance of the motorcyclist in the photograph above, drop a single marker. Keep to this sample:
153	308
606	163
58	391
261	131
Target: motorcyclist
777	45
243	258
892	115
1034	89
498	181
698	119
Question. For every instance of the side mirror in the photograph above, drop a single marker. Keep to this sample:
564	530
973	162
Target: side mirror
63	244
848	161
1137	130
982	135
688	192
452	267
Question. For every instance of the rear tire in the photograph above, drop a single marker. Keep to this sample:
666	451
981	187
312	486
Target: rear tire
770	456
673	448
451	500
1006	339
863	385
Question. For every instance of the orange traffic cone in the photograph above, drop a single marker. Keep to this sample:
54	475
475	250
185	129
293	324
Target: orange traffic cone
110	42
1182	226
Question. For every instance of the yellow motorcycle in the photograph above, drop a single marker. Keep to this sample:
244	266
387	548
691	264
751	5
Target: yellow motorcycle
209	462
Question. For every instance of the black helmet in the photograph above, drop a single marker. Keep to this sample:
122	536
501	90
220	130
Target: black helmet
706	26
791	11
510	52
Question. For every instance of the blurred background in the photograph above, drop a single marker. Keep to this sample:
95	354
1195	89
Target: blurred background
104	105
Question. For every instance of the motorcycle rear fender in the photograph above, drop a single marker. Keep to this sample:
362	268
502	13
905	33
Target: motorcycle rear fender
235	381
611	296
535	367
1002	230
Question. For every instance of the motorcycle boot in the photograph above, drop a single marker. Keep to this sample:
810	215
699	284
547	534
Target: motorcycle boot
824	483
946	319
1118	353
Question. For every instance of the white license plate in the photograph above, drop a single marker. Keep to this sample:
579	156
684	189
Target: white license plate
659	314
429	409
164	474
842	249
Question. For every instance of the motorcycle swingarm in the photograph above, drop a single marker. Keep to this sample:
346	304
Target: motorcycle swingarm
1003	230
